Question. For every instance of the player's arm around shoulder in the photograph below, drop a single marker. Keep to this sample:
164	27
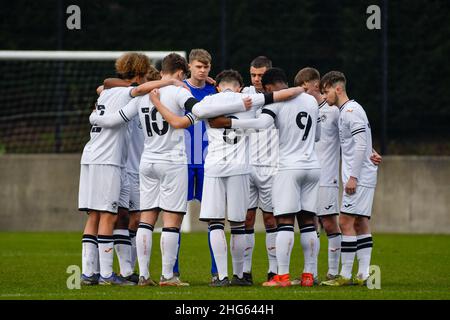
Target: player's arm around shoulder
174	120
156	84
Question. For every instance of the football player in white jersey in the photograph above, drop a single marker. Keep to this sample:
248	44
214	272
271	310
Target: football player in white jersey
328	152
263	165
225	191
296	182
359	177
163	172
100	176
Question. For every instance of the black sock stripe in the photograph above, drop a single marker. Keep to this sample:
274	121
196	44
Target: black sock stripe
238	231
307	226
121	237
146	226
89	236
105	241
251	231
348	250
348	244
216	226
172	229
334	235
365	245
271	230
364	240
285	225
104	237
309	229
122	242
90	241
286	228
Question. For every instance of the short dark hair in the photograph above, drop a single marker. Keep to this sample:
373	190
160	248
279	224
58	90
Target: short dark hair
229	75
305	75
331	78
174	62
260	62
273	76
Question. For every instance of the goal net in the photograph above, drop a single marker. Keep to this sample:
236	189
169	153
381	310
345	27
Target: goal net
46	97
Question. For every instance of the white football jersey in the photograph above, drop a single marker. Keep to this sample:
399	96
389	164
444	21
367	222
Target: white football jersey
228	148
263	144
135	146
297	122
108	144
328	148
353	124
162	142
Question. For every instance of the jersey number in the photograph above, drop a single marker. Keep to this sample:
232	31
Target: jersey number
101	108
236	132
300	124
151	125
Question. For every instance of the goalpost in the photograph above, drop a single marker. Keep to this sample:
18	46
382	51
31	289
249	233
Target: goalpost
46	98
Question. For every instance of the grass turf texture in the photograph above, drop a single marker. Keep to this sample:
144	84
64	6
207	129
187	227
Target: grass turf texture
33	266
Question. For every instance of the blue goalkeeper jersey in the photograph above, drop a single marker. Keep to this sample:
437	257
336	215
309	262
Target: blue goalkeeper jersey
196	139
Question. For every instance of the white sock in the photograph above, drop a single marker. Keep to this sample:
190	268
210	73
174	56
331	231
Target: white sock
309	242
348	251
219	248
144	248
334	252
122	245
169	250
106	255
284	244
133	248
363	253
271	238
89	255
250	244
237	248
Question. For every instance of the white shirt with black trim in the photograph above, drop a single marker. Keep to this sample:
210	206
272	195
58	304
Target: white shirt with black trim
328	148
297	123
108	145
228	148
356	144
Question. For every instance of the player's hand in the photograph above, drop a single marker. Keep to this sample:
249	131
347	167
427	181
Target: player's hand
220	122
210	81
350	187
247	102
154	96
375	158
179	83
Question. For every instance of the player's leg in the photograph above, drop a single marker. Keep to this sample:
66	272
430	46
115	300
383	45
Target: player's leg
237	190
249	243
134	214
308	233
149	203
213	211
106	180
122	245
173	195
89	255
122	241
250	226
265	203
328	212
169	247
133	226
144	243
270	225
90	268
286	203
363	234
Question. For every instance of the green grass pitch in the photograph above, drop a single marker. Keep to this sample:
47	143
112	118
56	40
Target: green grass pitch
33	266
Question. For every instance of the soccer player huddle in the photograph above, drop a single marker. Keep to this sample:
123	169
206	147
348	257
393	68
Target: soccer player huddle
268	146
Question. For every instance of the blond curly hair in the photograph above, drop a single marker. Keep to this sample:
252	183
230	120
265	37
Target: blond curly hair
132	64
